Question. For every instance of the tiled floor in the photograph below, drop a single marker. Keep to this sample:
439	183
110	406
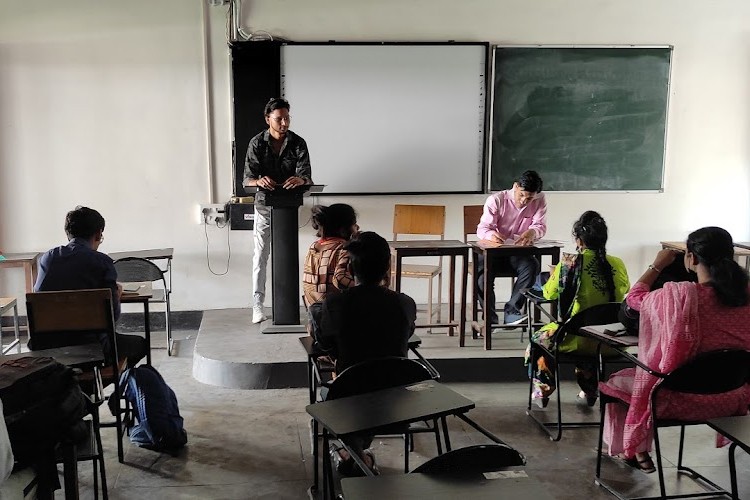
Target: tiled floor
254	444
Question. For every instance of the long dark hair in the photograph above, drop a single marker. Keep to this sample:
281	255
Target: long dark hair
713	248
591	229
333	221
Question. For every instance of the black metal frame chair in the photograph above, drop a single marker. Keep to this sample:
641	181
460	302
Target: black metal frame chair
595	315
136	269
729	369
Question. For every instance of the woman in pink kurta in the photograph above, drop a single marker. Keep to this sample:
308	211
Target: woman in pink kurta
678	322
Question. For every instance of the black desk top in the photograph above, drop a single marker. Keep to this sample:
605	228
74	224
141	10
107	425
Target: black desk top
420	486
397	405
75	356
735	428
596	332
152	254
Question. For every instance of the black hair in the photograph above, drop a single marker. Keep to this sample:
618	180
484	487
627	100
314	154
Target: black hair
333	221
713	247
591	229
83	222
275	103
370	257
530	181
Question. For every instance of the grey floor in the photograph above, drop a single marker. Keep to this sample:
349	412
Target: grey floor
255	444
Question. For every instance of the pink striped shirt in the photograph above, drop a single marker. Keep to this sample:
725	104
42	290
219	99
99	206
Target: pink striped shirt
502	216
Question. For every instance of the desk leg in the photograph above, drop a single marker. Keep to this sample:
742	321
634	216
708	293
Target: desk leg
147	331
29	271
452	295
446	436
70	471
485	313
462	318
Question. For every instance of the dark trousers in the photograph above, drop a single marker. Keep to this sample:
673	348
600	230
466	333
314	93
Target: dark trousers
525	268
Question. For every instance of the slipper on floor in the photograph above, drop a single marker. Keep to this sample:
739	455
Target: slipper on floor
345	467
645	465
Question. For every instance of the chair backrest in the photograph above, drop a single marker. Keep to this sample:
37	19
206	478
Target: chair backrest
472	214
419	219
712	372
600	314
64	317
133	269
473	459
377	374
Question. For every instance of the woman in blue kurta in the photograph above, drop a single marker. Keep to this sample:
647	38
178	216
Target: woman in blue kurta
579	281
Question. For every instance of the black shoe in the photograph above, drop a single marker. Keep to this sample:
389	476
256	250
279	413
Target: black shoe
542	402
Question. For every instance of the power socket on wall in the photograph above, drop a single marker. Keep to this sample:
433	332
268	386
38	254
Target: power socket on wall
211	213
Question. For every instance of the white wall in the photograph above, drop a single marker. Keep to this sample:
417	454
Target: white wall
103	103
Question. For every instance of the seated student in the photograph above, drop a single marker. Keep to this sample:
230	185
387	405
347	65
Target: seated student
678	322
518	214
327	268
579	281
366	322
79	266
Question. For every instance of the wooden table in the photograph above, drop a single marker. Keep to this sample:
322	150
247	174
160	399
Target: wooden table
488	251
741	250
442	487
142	296
437	248
27	261
369	412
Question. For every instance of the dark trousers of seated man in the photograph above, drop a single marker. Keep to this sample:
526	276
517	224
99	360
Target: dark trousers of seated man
524	267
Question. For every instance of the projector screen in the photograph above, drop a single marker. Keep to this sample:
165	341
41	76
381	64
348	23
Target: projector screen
390	118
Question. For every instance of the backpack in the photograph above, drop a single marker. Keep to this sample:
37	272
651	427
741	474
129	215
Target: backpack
160	426
42	405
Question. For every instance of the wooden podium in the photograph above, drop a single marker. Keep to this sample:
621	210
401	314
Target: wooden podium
285	301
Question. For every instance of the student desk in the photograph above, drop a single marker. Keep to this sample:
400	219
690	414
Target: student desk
85	356
488	250
437	248
441	487
142	296
737	430
153	254
25	260
741	250
366	413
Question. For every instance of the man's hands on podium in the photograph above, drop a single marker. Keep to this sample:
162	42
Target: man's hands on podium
265	182
293	182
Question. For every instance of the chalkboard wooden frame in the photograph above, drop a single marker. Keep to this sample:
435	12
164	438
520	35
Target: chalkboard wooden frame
506	98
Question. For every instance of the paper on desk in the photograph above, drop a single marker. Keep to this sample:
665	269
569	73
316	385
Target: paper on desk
615	329
422	386
505	474
132	287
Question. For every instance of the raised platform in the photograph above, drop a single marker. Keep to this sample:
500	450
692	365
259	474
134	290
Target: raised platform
230	351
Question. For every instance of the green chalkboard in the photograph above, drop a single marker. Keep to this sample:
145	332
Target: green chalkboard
586	119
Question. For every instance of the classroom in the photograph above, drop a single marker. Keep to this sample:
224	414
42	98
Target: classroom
126	107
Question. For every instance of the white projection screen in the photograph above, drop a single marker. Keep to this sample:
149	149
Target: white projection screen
389	118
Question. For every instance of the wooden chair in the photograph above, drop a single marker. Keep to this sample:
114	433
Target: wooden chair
71	317
421	220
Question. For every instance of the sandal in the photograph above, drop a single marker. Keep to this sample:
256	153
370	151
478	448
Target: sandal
645	464
344	466
374	467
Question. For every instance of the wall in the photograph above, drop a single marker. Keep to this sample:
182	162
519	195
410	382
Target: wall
105	103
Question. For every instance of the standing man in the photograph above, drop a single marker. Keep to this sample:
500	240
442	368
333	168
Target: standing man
277	158
517	215
78	266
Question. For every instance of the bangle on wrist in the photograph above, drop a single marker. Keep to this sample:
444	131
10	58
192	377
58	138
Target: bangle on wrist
654	268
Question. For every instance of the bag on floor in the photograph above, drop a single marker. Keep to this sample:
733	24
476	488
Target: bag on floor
160	426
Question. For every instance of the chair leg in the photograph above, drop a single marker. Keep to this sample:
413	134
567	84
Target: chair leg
445	434
682	444
170	341
733	471
406	452
659	469
440	295
100	457
429	304
602	410
437	436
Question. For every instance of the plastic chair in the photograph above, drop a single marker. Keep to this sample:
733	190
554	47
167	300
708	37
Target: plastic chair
712	372
72	317
421	220
383	373
473	459
596	315
134	270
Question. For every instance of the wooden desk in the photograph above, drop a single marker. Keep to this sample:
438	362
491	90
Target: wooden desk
143	295
488	250
741	250
25	260
441	487
438	248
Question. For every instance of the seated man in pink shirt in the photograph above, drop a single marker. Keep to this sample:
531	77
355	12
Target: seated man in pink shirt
519	215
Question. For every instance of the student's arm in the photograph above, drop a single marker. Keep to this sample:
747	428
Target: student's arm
539	219
487	228
551	289
643	286
110	281
622	282
253	172
342	275
304	170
